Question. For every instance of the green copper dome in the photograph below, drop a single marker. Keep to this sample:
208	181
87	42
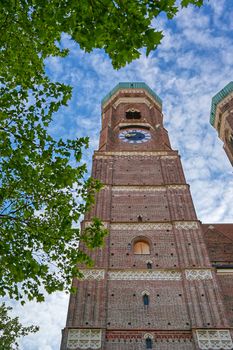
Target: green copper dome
132	85
227	90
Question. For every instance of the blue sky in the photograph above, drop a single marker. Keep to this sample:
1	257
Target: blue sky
193	63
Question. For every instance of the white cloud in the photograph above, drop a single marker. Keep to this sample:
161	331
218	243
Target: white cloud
49	316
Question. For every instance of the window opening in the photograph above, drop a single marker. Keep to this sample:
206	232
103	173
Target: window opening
139	218
141	247
132	114
148	343
146	299
231	140
149	265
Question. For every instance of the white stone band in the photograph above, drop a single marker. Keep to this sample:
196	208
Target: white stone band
198	274
89	274
89	223
163	155
152	275
186	225
214	339
145	275
144	188
177	187
139	188
84	339
141	227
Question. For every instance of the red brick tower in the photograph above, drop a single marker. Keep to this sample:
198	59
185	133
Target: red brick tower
153	286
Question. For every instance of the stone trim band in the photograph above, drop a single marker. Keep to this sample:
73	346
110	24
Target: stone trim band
152	275
198	274
84	339
162	154
145	275
184	225
145	188
214	339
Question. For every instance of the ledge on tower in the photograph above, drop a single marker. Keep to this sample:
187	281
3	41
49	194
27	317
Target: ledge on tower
131	85
227	90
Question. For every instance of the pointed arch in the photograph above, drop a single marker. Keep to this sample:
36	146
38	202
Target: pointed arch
149	340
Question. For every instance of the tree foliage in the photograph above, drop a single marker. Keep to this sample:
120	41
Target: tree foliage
41	193
40	196
11	329
119	27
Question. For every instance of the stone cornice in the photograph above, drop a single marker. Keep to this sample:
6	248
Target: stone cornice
145	188
134	87
147	226
194	274
162	154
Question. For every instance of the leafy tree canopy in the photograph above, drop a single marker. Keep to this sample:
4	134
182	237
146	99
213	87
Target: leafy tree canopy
41	195
11	329
38	186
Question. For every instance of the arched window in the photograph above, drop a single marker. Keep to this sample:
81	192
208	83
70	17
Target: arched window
141	247
149	265
133	114
148	343
145	299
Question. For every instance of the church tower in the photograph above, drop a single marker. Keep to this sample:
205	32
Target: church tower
152	285
221	117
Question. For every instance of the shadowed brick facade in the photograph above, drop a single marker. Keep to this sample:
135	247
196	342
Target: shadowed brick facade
146	200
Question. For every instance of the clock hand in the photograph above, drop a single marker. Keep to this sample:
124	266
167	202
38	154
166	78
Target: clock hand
129	135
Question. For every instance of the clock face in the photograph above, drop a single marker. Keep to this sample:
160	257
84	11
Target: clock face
134	136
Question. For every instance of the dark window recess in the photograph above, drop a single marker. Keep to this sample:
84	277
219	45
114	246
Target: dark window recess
133	115
145	299
231	140
148	343
139	217
149	265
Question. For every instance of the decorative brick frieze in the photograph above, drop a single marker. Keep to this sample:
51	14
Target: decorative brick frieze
214	339
88	223
152	275
162	154
156	335
198	274
84	339
139	188
186	225
148	188
132	100
141	227
158	275
169	157
91	274
119	97
177	187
